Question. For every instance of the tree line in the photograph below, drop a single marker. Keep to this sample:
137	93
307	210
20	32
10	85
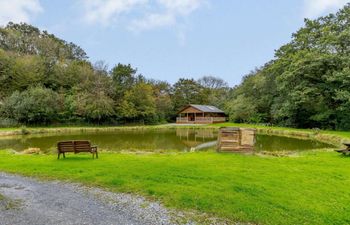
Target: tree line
306	85
46	80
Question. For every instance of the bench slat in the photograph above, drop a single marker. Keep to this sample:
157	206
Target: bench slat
65	146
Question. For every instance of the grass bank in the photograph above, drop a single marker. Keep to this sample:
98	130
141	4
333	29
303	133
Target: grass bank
312	188
328	136
70	129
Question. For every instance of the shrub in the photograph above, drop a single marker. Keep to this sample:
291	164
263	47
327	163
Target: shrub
35	105
7	122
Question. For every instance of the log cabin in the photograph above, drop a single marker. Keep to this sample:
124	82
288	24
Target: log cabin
200	114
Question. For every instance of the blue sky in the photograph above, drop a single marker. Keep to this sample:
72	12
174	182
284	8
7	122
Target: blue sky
170	39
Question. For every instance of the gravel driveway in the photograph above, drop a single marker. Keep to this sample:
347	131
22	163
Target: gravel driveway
29	201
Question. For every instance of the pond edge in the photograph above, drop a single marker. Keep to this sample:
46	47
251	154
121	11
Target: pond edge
333	139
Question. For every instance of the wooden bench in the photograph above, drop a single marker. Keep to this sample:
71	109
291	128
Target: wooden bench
345	151
76	147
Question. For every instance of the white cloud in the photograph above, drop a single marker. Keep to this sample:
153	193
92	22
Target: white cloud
181	6
152	21
18	10
171	11
139	15
105	11
315	8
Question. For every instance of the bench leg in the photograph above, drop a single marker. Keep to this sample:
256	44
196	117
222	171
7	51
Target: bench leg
58	157
94	154
64	155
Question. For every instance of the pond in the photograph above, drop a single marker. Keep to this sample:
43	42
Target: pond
154	140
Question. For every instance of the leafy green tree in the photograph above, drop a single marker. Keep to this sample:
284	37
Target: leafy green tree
92	96
188	91
138	103
241	109
123	77
68	75
26	39
20	73
91	107
247	104
164	105
215	90
34	106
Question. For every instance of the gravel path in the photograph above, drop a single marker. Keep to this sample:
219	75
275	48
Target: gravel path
29	201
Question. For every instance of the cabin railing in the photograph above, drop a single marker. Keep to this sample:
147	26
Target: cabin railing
204	119
200	120
181	120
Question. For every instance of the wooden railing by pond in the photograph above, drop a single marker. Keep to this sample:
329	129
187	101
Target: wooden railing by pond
201	120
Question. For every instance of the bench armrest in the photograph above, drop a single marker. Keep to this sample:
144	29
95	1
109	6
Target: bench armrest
94	148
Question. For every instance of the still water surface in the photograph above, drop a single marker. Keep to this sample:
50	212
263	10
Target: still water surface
154	140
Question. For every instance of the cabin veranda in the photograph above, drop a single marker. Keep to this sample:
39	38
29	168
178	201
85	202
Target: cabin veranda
200	114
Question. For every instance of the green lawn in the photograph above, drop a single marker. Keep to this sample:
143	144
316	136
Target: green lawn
313	188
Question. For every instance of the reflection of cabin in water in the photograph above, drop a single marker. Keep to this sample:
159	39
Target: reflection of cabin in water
200	114
200	134
194	137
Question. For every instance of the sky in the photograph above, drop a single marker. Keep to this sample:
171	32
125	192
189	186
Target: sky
172	39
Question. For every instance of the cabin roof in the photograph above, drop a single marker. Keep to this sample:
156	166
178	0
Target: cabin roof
204	108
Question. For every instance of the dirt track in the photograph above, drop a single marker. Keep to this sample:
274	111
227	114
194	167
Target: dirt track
29	201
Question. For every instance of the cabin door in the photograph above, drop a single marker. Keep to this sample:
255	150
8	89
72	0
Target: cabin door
191	117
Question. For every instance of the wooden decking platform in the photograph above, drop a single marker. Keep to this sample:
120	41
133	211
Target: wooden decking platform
234	139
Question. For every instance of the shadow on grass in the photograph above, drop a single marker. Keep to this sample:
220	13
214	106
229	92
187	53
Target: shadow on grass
70	158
